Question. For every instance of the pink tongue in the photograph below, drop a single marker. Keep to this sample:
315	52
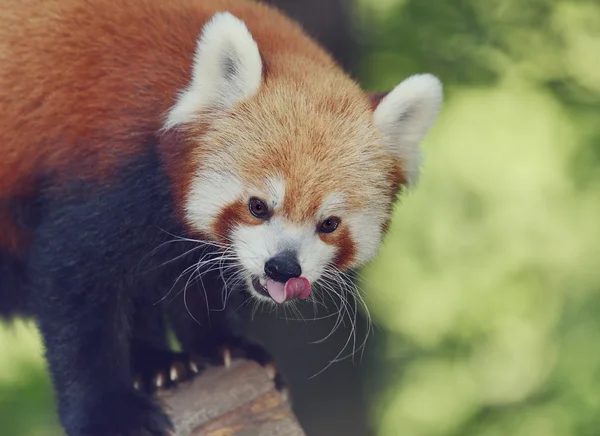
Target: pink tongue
293	288
297	288
276	290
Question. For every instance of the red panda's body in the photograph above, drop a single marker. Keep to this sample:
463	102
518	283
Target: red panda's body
158	158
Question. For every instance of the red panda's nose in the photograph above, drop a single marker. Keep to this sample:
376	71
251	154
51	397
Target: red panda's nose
283	267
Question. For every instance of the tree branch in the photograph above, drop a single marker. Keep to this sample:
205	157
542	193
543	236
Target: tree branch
239	400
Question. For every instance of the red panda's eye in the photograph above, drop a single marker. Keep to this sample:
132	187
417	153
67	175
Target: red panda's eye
328	225
258	208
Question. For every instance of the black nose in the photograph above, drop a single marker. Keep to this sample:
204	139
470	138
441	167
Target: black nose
283	267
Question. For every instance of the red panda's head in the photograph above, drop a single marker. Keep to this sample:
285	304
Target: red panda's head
295	171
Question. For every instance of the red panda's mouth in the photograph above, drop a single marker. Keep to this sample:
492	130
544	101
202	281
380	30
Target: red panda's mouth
281	292
259	287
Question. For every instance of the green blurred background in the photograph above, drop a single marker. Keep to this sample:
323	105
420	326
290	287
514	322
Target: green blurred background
486	294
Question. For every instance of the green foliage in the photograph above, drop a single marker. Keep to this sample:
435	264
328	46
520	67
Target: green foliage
487	290
26	403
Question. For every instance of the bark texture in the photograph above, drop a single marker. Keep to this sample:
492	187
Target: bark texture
239	400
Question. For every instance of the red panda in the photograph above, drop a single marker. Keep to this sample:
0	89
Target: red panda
152	146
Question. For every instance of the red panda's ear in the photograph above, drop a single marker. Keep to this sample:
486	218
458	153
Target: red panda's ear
403	117
227	68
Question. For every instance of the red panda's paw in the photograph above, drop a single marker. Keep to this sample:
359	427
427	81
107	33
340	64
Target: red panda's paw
123	414
247	349
163	369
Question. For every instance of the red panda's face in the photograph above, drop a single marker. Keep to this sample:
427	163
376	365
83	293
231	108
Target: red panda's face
298	186
296	174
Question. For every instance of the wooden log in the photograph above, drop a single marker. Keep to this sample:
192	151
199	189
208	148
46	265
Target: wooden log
240	400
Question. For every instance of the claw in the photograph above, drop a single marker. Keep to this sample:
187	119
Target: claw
137	383
285	394
227	357
271	370
160	380
174	373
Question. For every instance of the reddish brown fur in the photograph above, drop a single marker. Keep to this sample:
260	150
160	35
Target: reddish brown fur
343	240
83	84
78	78
13	238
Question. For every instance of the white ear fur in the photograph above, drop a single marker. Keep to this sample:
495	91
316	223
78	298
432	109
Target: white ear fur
404	116
227	69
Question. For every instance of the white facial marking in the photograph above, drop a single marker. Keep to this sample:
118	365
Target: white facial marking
365	227
257	244
210	192
332	205
276	188
227	69
365	230
404	116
